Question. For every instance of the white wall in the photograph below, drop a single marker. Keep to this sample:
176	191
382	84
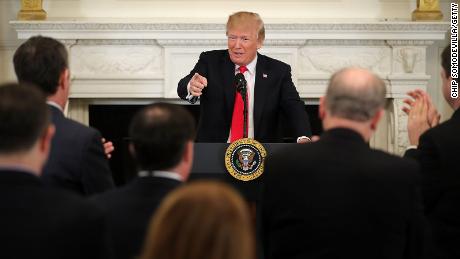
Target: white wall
8	39
217	11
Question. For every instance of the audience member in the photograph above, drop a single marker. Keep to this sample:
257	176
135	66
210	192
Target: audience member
202	220
338	198
35	221
77	161
436	151
162	145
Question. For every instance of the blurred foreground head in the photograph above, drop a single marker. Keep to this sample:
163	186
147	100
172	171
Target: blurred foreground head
201	220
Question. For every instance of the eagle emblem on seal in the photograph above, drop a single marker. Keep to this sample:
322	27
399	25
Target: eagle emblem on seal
244	159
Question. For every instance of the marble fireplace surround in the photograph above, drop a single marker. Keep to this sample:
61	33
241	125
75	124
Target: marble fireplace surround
140	61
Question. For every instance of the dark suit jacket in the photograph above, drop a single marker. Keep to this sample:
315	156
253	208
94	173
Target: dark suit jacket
37	222
129	210
275	94
77	161
337	198
438	156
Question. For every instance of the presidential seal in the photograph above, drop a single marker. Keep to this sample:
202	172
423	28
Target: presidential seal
244	159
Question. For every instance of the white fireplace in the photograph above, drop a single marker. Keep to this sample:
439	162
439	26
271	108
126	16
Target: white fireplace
140	61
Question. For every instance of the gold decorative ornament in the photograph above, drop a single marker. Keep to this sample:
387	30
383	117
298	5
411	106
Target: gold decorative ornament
427	10
32	10
244	159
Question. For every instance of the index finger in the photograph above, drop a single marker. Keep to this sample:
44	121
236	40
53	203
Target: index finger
201	79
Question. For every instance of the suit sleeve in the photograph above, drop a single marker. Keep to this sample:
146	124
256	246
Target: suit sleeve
199	68
96	174
427	156
293	107
419	242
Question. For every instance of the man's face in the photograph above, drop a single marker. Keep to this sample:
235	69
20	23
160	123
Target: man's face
243	44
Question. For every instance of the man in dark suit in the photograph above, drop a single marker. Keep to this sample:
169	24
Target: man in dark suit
338	198
271	92
435	147
35	221
77	161
162	145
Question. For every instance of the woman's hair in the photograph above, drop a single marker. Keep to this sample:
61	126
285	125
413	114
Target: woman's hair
201	220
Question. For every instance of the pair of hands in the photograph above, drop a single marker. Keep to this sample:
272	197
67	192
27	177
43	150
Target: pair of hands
422	115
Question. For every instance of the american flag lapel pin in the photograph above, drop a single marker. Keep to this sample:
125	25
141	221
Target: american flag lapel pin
264	75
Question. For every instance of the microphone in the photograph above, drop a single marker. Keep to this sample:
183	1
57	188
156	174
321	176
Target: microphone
193	99
240	84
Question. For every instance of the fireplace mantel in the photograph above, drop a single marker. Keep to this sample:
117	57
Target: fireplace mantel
139	60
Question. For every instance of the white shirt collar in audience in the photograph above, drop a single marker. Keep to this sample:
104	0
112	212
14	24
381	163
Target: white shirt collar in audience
164	174
54	105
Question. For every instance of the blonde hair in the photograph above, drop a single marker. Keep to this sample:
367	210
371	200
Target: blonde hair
201	220
242	18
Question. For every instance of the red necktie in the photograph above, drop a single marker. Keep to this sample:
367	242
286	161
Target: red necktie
238	118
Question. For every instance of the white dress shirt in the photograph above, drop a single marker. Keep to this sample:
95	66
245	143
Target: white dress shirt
163	174
250	76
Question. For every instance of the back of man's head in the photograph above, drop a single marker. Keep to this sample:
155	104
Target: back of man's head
159	134
24	117
355	94
446	60
40	61
449	84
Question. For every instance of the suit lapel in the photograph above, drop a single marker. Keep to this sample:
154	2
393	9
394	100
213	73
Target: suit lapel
260	90
227	84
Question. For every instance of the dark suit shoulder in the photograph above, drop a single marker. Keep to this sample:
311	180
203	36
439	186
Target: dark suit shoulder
79	128
446	130
60	121
441	140
383	159
58	208
272	61
138	189
219	53
314	156
69	201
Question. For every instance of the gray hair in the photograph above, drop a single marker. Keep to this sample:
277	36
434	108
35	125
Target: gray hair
353	98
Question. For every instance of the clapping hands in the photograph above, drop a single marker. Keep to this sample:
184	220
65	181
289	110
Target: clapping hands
422	115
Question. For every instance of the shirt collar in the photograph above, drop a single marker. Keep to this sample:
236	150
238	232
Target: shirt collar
54	105
164	174
251	66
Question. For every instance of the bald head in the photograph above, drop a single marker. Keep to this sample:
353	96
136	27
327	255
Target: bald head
355	94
